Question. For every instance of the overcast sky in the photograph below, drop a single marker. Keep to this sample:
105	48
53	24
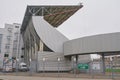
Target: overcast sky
96	17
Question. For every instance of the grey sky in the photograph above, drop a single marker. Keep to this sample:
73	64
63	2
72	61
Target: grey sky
96	17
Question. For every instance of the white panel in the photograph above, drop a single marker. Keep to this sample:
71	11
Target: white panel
49	35
51	62
93	44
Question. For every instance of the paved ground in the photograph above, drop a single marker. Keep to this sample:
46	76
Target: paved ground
55	76
8	77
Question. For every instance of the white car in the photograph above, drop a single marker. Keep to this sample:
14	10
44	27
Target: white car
23	67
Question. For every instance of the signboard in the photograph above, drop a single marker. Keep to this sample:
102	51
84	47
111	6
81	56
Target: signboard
83	66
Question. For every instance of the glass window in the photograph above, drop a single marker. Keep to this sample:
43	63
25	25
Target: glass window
10	29
6	55
7	46
16	26
8	37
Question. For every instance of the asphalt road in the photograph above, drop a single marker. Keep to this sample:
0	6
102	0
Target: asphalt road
8	77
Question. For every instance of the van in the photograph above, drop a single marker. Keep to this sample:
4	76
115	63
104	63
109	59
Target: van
23	67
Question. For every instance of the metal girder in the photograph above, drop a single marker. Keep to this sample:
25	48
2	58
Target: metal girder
52	14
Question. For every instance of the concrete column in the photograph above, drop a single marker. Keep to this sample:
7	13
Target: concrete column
27	56
33	53
35	50
25	59
36	57
25	53
74	63
76	56
29	52
103	63
41	46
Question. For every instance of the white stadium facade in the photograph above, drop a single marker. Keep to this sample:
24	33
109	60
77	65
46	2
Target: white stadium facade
45	46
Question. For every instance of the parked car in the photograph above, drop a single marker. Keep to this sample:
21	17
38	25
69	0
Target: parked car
23	67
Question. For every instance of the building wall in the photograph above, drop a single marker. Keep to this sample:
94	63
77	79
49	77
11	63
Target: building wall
48	61
41	33
31	42
1	46
115	61
10	41
93	44
1	35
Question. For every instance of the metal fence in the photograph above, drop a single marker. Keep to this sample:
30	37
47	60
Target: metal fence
113	68
52	68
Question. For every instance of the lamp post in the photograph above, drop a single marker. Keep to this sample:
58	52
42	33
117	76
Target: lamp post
36	61
74	65
112	74
17	63
58	65
92	70
44	65
30	67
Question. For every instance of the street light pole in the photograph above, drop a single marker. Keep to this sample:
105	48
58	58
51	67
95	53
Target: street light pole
30	67
92	68
74	65
17	63
58	65
44	65
111	60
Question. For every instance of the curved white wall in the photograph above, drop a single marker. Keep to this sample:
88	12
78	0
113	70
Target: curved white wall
93	44
49	35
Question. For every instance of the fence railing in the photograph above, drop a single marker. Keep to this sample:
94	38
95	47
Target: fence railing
52	68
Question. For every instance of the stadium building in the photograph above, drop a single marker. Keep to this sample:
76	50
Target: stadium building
47	49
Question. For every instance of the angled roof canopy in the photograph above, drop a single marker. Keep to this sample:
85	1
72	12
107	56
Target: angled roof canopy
54	15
